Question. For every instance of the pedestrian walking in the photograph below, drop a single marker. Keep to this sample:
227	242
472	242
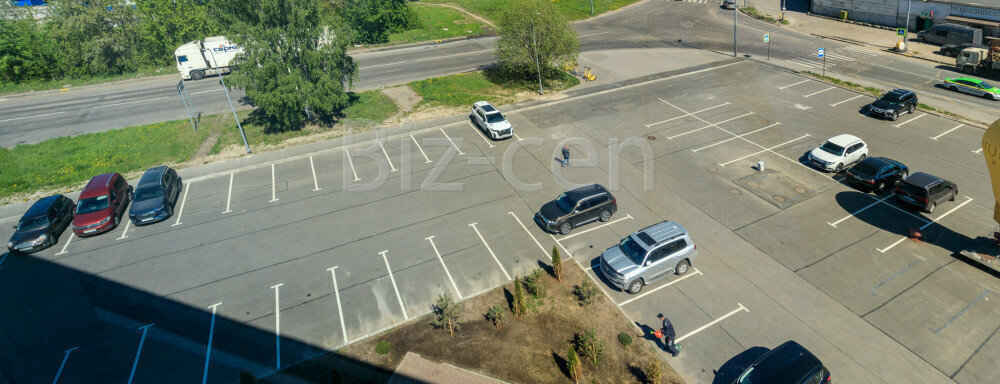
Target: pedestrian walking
668	335
565	153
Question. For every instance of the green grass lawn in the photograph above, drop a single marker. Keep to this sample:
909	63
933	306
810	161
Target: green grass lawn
438	23
573	9
467	88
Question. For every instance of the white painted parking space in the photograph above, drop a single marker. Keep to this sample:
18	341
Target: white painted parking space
793	84
740	136
532	236
62	365
967	200
274	186
961	312
480	134
713	322
138	352
844	101
770	149
180	211
208	348
394	286
443	265
452	141
672	282
710	125
487	245
426	159
575	234
70	239
277	326
340	308
312	166
818	92
910	120
392	168
978	151
347	158
229	196
893	276
686	115
947	132
125	232
855	213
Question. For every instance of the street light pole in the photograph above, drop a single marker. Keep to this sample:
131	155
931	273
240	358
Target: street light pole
906	33
230	99
591	7
538	67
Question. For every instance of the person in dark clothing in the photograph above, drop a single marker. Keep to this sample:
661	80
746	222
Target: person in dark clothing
565	153
668	335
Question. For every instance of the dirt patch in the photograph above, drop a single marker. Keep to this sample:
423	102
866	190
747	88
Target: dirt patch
206	146
529	350
404	97
460	9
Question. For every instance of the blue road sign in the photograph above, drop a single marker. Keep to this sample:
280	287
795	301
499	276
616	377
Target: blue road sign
767	36
900	31
821	52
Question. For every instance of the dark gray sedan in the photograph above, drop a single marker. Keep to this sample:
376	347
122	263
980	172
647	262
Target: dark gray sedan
155	195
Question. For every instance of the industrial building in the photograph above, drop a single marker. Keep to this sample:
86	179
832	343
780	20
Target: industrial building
984	14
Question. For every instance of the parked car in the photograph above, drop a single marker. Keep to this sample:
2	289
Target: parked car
894	103
648	255
577	207
837	152
491	121
877	174
41	225
788	363
155	195
953	50
951	34
102	203
972	86
925	191
729	4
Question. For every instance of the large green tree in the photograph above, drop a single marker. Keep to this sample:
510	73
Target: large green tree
95	37
25	52
529	24
166	24
294	65
374	20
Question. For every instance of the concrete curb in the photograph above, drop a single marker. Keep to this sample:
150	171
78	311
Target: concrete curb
883	48
420	43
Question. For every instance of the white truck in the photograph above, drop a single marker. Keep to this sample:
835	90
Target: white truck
201	58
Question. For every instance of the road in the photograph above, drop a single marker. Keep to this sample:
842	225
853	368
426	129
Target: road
31	118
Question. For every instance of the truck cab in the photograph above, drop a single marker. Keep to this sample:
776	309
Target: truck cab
201	58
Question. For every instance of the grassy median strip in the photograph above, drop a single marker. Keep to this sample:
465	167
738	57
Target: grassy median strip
755	13
438	23
573	9
464	89
876	92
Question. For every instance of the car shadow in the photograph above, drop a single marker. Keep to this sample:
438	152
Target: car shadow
731	369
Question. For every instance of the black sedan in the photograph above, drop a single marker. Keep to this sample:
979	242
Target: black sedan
155	196
877	174
42	224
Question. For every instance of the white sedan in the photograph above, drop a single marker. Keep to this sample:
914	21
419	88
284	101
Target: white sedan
838	152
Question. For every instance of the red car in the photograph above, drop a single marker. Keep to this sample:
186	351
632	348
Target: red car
101	204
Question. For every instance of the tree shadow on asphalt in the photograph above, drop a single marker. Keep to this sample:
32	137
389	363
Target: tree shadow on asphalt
730	370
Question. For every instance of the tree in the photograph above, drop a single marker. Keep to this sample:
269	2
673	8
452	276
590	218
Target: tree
556	39
573	365
165	25
294	64
26	53
448	312
517	307
589	345
95	37
374	20
556	264
654	374
496	314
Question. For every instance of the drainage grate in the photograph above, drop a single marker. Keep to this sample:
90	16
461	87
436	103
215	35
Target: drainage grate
779	198
800	190
735	191
753	184
651	137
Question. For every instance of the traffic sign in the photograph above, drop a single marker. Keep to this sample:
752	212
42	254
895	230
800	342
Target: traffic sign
767	36
821	52
900	31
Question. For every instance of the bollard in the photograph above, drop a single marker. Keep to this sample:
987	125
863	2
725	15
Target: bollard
760	166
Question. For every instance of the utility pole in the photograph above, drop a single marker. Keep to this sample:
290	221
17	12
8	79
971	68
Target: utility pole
736	10
230	99
906	33
537	66
592	7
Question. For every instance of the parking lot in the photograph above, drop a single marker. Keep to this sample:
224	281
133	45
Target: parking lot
267	264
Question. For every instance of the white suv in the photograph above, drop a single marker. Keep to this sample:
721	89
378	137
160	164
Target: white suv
491	121
838	152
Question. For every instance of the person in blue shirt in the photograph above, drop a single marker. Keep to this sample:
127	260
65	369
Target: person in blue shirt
668	335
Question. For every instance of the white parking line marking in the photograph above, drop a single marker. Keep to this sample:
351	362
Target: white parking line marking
393	168
740	136
567	237
855	213
127	223
274	186
792	85
71	236
63	364
532	236
187	188
978	151
453	285
28	117
426	159
229	197
481	135
967	200
138	352
340	309
502	269
894	275
208	350
841	102
277	327
947	132
686	115
130	102
347	154
696	272
313	167
702	328
818	92
560	245
907	121
452	141
764	150
517	137
962	312
394	287
710	125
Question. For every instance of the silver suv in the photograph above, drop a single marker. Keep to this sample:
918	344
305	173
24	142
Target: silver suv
649	255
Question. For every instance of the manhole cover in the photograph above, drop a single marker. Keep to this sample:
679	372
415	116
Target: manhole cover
800	190
752	183
651	137
779	198
772	175
764	121
735	191
713	169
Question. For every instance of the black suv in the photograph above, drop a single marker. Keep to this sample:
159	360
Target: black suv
877	174
42	224
155	195
925	191
788	363
894	103
577	207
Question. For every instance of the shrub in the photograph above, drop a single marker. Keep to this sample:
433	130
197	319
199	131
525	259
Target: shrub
533	283
383	348
573	365
447	311
586	292
517	306
556	264
625	338
589	345
654	374
495	314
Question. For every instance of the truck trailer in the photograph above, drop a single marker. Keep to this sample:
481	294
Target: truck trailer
201	58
